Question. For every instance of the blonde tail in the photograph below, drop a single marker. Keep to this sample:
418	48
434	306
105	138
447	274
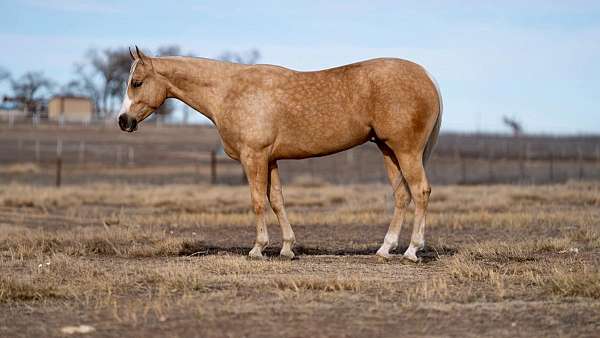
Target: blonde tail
436	129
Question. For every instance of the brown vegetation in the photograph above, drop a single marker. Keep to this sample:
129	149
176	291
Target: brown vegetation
170	260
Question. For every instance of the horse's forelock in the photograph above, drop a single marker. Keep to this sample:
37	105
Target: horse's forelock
131	71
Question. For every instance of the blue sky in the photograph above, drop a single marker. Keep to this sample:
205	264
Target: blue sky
537	61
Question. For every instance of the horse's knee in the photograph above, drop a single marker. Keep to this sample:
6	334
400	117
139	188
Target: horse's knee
258	206
421	196
276	201
277	208
427	191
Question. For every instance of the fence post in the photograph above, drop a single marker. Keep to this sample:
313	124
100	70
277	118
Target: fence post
491	177
361	167
461	165
523	155
19	148
58	162
350	163
463	169
213	167
131	156
119	155
197	173
81	152
350	157
580	160
551	166
37	150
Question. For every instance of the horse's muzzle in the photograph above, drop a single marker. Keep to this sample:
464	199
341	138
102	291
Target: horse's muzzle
127	123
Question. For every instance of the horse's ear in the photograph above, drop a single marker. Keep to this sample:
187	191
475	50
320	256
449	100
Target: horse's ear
139	54
143	58
131	54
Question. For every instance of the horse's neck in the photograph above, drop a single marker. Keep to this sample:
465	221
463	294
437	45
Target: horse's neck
200	83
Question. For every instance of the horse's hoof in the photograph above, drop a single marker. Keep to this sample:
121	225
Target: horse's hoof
383	252
412	257
411	253
255	254
287	255
383	256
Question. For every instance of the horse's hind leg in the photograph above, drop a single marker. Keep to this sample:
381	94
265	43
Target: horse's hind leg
402	200
276	199
413	171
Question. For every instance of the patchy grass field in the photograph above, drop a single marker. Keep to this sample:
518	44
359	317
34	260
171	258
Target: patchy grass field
136	260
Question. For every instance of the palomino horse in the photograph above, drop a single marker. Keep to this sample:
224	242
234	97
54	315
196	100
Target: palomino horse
266	113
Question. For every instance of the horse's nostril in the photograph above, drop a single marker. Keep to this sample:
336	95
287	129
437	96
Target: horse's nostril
123	121
127	123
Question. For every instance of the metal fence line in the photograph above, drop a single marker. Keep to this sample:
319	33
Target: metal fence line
458	159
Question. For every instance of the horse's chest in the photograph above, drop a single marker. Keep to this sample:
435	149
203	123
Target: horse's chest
230	148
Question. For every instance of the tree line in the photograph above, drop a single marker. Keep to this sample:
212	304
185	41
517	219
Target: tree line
102	77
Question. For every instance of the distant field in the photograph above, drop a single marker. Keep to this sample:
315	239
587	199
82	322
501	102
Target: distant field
181	155
169	260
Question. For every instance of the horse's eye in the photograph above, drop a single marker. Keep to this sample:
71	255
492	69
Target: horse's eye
136	84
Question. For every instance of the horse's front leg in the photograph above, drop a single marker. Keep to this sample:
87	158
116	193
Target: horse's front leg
256	167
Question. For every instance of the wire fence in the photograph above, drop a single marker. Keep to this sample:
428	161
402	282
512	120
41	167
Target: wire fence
76	154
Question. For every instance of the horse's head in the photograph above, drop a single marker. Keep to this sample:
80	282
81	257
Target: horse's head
146	91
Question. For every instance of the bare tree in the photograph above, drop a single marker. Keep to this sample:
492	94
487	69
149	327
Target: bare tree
71	88
103	77
85	84
4	76
514	125
249	57
29	90
111	67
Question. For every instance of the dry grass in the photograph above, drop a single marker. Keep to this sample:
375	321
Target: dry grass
136	255
19	169
318	284
573	284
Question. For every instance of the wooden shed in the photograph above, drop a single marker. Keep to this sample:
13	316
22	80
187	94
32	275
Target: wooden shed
70	108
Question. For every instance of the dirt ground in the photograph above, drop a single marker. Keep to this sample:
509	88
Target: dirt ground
169	261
